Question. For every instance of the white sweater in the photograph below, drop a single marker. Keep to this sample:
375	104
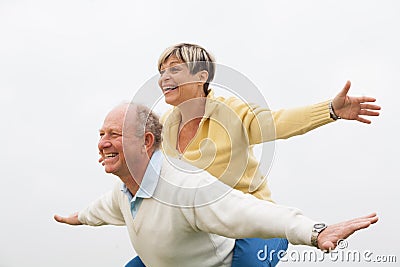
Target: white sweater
192	219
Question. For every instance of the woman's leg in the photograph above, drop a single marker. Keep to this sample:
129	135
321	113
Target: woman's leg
135	262
256	252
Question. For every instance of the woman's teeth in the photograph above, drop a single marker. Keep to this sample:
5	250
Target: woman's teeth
170	88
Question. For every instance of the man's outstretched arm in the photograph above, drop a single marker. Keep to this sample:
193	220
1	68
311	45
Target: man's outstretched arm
105	210
238	215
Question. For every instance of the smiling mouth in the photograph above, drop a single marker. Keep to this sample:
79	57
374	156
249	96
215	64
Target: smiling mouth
110	155
166	89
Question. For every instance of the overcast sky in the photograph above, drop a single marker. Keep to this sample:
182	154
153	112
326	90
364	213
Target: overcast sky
65	64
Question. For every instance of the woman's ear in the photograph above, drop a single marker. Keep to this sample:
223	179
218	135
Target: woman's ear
203	76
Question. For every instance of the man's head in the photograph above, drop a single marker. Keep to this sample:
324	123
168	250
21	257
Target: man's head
196	58
130	133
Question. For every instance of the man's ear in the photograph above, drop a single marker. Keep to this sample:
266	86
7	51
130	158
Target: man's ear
148	141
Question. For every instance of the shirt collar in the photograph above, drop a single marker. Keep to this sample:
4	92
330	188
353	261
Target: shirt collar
150	178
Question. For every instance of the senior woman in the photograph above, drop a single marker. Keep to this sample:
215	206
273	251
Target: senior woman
217	134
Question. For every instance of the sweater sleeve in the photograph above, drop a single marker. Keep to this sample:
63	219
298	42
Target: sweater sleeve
296	121
263	125
238	215
103	211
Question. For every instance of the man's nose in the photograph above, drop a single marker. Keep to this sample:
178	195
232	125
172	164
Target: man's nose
104	143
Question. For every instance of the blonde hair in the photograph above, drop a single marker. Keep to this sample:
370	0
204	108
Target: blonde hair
196	58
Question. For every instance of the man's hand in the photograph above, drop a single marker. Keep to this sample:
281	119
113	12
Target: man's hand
101	159
350	107
328	238
71	220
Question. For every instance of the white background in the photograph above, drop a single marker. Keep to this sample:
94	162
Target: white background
64	64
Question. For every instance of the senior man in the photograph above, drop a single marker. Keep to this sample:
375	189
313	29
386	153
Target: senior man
177	215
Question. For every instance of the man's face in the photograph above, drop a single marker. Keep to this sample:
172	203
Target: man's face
177	83
111	142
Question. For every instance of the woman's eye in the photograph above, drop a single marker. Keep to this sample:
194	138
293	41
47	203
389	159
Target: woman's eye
174	69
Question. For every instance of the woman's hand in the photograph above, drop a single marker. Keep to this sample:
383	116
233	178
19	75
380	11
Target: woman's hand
351	108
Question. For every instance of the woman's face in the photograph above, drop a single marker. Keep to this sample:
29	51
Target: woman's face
177	83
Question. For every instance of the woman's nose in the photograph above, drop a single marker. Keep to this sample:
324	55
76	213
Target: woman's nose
164	76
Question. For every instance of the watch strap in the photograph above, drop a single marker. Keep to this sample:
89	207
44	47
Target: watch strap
332	112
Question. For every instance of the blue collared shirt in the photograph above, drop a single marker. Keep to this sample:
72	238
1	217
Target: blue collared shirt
148	185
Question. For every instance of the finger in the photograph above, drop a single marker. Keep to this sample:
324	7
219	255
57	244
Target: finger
345	89
327	246
363	222
363	99
370	106
363	120
362	218
370	217
361	225
101	159
373	218
347	230
368	112
59	219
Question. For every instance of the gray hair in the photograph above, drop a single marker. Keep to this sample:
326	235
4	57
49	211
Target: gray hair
145	120
148	121
196	58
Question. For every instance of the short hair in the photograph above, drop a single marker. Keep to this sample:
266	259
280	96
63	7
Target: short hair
196	58
147	121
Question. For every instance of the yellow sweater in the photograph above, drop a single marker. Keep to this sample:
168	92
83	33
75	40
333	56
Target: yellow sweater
223	144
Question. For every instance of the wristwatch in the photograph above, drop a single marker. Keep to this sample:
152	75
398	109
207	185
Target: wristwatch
317	229
332	112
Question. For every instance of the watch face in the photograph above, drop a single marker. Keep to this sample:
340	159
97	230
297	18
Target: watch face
319	226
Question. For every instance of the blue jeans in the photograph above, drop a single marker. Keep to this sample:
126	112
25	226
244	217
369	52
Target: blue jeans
135	262
248	252
257	252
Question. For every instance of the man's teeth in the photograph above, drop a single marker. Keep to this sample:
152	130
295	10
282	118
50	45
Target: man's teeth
110	155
